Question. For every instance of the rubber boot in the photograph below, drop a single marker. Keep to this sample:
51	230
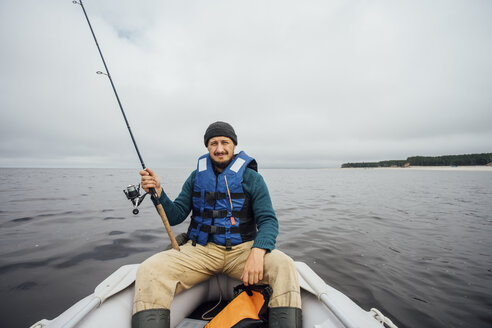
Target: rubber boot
285	317
155	318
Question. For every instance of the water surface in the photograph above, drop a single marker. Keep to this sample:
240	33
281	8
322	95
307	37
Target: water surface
414	244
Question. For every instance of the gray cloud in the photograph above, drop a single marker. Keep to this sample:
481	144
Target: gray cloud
310	83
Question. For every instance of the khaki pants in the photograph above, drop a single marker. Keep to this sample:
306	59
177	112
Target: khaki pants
168	273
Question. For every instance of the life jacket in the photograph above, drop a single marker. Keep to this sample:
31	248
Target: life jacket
212	217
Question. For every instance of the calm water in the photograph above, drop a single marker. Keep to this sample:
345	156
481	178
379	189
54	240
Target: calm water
414	244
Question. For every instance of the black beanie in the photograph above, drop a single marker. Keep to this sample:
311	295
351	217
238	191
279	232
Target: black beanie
220	129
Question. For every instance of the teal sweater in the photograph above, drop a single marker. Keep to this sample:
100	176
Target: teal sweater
254	187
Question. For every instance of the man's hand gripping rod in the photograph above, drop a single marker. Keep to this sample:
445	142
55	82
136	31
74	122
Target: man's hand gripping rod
152	191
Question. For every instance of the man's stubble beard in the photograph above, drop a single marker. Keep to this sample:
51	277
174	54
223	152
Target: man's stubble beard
222	165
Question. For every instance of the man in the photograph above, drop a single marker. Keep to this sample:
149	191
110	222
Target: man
232	231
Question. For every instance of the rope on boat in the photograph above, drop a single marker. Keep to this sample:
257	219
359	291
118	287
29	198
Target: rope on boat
385	321
220	300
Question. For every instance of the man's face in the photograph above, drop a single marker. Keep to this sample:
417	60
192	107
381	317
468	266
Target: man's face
221	149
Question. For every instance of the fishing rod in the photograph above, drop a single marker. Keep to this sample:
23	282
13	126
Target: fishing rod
132	192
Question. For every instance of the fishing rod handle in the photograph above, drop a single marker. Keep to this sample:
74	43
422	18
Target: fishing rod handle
164	219
162	213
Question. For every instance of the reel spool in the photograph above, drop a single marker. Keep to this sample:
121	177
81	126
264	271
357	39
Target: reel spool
132	192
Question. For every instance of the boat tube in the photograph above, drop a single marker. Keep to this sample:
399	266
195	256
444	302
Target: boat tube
112	301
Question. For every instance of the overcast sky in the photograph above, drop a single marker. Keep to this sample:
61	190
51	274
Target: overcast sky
304	83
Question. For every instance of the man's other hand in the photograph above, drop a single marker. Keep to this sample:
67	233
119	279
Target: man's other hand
253	269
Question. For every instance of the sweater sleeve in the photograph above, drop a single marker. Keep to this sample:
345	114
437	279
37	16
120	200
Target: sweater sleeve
177	211
261	203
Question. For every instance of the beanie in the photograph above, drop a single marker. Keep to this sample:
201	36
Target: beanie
220	129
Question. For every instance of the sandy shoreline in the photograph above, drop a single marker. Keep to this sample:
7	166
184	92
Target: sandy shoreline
482	168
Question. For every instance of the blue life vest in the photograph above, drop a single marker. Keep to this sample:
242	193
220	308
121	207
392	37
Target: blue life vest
212	217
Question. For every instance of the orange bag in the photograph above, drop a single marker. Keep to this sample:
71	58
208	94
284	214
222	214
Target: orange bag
249	308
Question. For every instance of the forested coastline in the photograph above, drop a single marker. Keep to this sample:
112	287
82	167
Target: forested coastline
446	160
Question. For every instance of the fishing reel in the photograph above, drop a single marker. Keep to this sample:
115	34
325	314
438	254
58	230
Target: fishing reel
132	192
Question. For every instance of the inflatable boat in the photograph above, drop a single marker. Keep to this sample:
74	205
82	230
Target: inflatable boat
112	301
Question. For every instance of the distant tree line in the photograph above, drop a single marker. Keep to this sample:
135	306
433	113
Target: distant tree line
447	160
450	160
